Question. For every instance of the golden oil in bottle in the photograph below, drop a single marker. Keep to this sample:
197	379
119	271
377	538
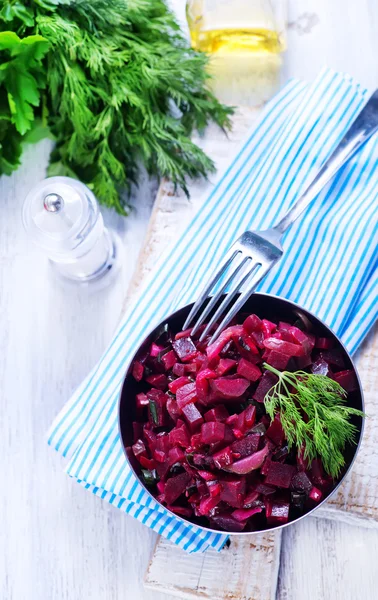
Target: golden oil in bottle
245	39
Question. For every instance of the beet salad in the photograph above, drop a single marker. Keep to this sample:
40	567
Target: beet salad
246	433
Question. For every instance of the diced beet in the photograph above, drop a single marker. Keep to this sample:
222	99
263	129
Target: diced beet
232	420
216	348
250	499
321	367
183	334
207	475
317	473
207	504
199	361
347	380
185	349
150	437
225	365
191	367
214	488
212	432
247	418
139	449
302	338
276	359
141	400
202	382
324	343
175	455
264	489
267	381
280	475
248	370
160	486
268	506
147	463
249	463
178	369
229	389
275	431
246	446
242	514
138	370
159	456
252	323
258	338
238	433
233	491
174	385
218	413
283	326
173	409
183	511
196	441
162	470
279	513
192	415
169	360
284	347
277	335
268	328
179	436
155	350
301	482
315	494
162	442
186	394
334	357
228	523
158	381
223	458
176	486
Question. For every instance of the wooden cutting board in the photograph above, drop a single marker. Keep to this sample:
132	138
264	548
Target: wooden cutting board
248	569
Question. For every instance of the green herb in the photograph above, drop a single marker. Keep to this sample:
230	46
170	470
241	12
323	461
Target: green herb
124	91
313	416
153	411
149	477
21	81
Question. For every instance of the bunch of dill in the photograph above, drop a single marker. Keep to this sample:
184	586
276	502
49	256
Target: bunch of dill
122	88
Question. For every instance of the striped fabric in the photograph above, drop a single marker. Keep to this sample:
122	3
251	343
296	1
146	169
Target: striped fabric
329	267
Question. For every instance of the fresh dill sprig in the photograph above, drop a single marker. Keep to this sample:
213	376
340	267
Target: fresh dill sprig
313	416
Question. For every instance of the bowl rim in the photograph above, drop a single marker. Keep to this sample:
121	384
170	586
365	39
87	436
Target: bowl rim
275	527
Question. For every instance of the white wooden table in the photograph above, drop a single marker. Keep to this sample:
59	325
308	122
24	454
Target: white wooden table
57	541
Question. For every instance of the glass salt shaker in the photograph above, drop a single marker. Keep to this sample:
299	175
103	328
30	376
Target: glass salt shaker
61	215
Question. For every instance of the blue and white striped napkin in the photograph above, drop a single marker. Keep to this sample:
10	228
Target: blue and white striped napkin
329	267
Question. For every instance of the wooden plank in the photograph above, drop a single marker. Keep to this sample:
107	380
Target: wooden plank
246	570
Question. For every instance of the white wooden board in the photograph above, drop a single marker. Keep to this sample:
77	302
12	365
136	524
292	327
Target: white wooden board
246	570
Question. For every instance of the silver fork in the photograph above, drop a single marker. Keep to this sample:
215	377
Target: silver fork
254	254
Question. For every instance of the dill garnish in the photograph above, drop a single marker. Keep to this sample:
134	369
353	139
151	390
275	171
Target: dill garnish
313	415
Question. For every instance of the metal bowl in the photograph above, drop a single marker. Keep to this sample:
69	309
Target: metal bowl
266	306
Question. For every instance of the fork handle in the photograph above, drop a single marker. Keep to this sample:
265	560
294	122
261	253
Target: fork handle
359	132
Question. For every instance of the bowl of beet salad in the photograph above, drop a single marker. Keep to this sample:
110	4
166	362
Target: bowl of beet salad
252	432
